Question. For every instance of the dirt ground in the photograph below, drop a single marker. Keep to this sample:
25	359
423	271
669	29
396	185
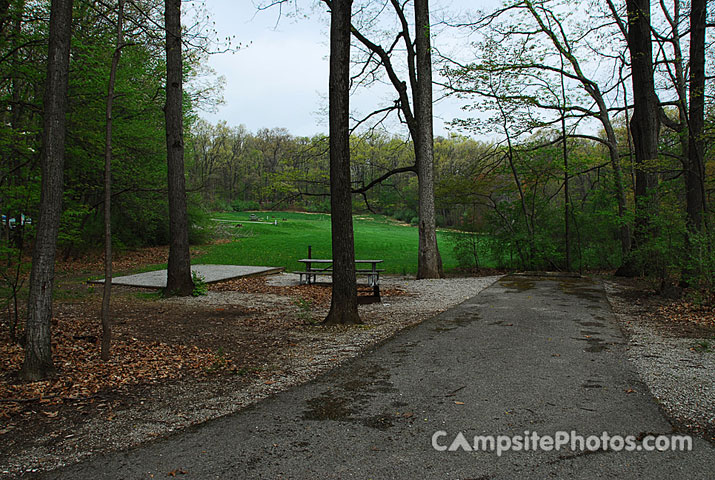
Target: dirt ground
153	342
690	316
156	343
671	343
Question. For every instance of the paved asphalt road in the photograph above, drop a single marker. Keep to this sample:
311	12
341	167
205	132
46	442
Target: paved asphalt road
527	354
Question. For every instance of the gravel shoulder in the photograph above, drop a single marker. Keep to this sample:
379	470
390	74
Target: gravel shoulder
680	377
159	410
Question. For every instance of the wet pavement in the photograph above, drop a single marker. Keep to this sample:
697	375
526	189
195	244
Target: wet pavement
528	354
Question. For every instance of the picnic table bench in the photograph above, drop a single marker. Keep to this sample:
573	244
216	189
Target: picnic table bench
324	266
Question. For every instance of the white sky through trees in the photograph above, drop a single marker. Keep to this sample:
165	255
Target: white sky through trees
279	78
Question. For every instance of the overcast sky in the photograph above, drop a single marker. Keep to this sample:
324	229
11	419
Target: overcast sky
280	76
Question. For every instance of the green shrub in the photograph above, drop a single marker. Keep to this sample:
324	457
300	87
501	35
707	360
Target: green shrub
244	205
318	206
700	261
467	249
200	286
201	228
220	206
406	215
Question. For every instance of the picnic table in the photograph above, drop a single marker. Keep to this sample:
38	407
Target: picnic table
324	266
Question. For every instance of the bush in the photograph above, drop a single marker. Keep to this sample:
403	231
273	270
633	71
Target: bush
701	261
405	215
200	287
322	206
414	221
672	255
244	205
660	246
220	206
466	250
201	228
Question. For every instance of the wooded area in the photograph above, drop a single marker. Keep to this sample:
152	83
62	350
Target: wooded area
85	43
595	150
570	157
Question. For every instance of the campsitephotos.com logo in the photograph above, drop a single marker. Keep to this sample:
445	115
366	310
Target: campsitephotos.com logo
532	441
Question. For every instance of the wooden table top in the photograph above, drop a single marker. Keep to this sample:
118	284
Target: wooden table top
325	260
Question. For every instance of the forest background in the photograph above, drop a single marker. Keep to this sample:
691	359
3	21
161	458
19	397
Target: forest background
549	83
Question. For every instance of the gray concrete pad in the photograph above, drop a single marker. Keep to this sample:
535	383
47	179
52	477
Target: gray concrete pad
209	273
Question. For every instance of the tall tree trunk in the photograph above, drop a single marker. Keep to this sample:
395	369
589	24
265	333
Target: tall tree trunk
695	175
343	307
419	66
567	204
624	231
429	261
107	294
645	124
179	281
38	350
604	116
679	81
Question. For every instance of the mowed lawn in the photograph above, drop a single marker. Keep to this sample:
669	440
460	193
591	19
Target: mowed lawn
281	245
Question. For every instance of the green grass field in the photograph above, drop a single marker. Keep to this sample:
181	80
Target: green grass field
281	245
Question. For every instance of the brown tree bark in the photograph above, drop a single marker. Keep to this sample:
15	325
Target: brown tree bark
179	281
343	306
567	200
695	175
429	261
645	124
107	293
38	351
